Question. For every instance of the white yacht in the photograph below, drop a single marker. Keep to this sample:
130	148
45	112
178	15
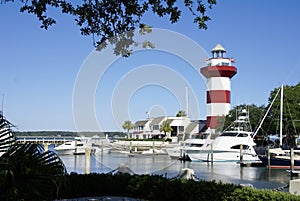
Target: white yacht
234	142
190	145
77	146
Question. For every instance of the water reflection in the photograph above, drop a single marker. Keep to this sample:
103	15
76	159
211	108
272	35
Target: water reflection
259	177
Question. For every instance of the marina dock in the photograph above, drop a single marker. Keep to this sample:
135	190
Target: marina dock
43	139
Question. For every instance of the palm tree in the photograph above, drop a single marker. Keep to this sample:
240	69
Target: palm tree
7	139
27	172
128	126
181	113
165	127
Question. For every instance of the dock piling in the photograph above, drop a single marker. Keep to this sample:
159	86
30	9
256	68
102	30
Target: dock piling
211	153
292	159
241	153
269	157
46	147
87	160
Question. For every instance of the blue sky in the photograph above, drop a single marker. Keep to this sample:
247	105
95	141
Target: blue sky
39	68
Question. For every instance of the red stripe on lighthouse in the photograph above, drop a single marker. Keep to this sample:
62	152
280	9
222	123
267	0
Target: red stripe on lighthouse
218	71
218	96
211	122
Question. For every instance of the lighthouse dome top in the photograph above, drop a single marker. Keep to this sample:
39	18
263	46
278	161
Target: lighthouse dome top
218	48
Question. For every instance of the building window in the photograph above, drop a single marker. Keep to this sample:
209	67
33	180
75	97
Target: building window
156	127
180	128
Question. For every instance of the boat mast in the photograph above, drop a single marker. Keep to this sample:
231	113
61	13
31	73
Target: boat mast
263	119
281	115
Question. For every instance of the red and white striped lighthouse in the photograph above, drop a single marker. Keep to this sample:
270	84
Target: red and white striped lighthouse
219	71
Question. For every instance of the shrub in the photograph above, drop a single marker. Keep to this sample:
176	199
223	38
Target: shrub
159	188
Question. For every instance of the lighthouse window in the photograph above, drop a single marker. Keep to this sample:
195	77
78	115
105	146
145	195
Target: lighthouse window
225	64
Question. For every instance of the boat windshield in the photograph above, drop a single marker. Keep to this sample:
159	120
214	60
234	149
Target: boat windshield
229	134
239	147
233	134
193	145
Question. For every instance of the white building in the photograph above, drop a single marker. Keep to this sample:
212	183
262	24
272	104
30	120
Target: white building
150	128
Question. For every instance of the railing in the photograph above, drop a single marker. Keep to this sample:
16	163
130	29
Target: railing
43	139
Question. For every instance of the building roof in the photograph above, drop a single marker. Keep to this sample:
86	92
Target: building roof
169	121
156	120
141	123
191	127
218	48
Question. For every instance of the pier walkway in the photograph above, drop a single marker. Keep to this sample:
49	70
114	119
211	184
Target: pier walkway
44	139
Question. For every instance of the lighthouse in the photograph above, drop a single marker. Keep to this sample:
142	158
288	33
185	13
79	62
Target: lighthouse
218	72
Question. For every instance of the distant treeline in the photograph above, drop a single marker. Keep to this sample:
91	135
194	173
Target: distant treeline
69	133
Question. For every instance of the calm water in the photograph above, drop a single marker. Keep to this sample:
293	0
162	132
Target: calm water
259	177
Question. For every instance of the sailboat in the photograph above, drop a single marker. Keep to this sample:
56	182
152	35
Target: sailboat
277	157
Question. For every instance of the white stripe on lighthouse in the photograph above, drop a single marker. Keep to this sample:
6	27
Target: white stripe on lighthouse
217	109
218	83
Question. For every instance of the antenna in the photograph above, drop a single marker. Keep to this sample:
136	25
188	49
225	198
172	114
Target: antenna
186	101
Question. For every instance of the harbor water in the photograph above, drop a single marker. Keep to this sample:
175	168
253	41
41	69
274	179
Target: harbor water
258	177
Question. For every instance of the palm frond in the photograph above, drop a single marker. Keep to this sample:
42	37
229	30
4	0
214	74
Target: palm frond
37	174
7	138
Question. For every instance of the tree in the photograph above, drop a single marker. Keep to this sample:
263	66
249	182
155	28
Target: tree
291	113
107	19
221	123
255	115
29	173
165	127
7	138
271	125
181	113
26	171
128	126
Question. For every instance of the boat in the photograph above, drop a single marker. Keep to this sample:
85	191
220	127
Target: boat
76	147
190	145
193	145
174	150
136	146
278	157
153	152
234	144
96	150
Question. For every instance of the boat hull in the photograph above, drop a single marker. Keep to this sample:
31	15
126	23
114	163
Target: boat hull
70	151
222	156
276	162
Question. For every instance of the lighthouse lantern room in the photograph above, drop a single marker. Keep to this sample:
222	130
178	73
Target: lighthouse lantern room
218	72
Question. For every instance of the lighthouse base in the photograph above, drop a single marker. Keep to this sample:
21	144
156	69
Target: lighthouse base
213	122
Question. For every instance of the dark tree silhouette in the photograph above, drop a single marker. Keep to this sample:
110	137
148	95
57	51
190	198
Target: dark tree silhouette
107	19
27	172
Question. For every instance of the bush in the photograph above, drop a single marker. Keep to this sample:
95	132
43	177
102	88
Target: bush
252	194
159	188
